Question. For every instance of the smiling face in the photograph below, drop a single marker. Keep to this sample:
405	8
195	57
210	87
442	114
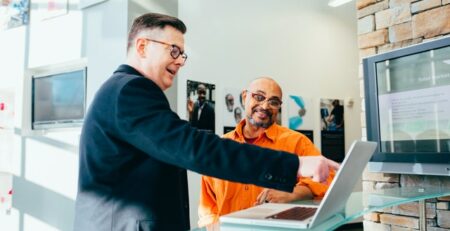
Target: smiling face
201	93
261	114
155	60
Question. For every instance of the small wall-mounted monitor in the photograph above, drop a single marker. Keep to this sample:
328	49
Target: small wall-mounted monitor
58	100
54	97
407	93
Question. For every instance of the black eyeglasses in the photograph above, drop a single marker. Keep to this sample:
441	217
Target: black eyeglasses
175	51
274	103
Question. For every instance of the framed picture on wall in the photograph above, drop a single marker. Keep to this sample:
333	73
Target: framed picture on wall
201	105
332	132
14	13
300	113
233	111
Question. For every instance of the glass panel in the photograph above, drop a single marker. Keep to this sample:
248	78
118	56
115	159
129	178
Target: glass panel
358	204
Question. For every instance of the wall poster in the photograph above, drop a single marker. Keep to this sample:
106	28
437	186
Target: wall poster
332	129
233	110
300	117
201	105
14	13
299	113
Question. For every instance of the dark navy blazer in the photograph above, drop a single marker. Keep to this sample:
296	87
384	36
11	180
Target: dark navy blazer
207	117
134	151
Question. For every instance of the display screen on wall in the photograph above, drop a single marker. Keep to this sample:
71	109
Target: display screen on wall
408	105
58	100
414	102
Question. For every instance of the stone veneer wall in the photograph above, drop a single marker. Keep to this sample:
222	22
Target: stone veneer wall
384	25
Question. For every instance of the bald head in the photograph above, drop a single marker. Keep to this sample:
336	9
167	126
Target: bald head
266	84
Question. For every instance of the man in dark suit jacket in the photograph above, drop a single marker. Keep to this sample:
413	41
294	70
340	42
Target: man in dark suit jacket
134	150
201	115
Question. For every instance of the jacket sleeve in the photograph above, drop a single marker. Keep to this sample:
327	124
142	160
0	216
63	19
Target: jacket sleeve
143	119
207	209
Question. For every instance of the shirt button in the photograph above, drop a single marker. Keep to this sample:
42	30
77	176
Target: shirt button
246	187
268	176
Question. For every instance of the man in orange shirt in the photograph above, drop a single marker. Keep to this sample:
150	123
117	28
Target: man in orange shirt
262	100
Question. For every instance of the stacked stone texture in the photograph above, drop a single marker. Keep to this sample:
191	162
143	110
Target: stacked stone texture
384	25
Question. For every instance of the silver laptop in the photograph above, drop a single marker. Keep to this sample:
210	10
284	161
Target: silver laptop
301	216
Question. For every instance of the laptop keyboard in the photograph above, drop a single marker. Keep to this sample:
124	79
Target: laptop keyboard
295	213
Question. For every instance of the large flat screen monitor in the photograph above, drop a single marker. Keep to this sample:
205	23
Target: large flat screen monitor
407	93
58	99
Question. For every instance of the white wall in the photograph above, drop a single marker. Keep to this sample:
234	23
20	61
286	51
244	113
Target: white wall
308	47
46	167
105	28
12	44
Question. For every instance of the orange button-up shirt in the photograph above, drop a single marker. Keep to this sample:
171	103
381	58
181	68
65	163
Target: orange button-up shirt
219	197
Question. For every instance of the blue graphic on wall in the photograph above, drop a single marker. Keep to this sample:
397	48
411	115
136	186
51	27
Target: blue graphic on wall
296	121
298	116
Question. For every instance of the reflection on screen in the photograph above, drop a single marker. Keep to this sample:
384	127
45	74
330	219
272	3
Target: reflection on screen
59	98
414	102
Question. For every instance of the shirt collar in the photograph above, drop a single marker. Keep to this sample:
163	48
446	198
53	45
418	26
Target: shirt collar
270	133
128	69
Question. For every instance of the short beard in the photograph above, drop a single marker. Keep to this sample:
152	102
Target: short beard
261	124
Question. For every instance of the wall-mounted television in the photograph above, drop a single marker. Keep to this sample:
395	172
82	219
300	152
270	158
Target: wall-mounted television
54	97
407	94
58	100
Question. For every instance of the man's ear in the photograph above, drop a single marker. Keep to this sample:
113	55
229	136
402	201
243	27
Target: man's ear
244	96
140	45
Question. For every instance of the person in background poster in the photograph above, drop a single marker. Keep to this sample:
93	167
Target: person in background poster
323	117
229	102
201	113
336	117
262	101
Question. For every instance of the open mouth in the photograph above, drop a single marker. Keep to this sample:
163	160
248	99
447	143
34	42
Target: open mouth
172	72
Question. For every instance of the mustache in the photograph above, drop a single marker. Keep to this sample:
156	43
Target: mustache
259	109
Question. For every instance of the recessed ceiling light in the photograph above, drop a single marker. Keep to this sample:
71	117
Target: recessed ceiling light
336	3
